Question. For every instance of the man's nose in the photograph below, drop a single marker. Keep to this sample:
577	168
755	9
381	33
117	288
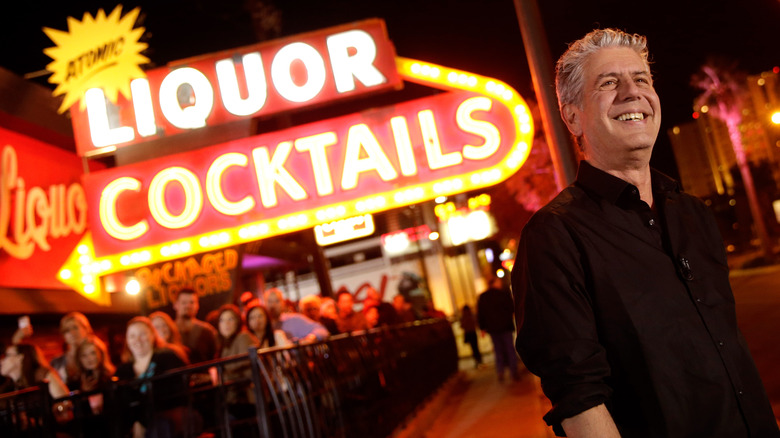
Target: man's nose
628	90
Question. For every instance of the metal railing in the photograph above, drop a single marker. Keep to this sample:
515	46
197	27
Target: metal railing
363	384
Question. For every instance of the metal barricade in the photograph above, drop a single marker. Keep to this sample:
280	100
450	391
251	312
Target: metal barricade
363	384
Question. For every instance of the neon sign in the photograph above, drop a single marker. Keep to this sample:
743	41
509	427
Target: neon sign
258	80
344	229
254	188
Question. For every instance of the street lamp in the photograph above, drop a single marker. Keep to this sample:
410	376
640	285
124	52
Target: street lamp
776	117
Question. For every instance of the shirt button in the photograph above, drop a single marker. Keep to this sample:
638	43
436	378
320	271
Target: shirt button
720	343
698	300
740	393
651	222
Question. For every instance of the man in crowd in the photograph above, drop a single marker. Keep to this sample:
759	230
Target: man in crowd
348	320
199	336
622	295
387	313
298	327
310	306
495	315
403	308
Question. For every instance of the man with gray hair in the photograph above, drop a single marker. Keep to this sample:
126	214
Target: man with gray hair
622	296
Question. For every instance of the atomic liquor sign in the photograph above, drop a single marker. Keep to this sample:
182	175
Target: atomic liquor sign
475	134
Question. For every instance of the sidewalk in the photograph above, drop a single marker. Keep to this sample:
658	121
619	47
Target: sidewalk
475	404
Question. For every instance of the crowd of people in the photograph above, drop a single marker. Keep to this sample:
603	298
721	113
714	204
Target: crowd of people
158	343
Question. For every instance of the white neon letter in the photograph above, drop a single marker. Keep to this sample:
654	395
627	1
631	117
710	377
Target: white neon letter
193	197
142	105
360	65
191	116
316	145
436	160
481	128
108	217
214	185
403	144
101	132
360	138
281	73
271	171
255	84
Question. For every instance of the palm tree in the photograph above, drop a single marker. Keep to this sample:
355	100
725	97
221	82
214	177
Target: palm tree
723	92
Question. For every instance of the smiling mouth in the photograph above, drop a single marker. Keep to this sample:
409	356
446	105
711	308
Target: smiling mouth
630	117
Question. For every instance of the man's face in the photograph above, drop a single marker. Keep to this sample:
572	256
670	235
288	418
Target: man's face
312	310
345	304
186	306
274	305
372	298
620	114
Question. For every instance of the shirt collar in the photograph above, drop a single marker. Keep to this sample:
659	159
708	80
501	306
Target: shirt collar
613	189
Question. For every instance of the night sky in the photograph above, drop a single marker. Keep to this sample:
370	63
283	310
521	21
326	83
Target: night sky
478	36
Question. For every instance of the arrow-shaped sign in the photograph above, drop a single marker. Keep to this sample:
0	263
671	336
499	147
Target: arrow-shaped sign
506	139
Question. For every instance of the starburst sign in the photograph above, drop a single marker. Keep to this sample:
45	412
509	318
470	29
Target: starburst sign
100	52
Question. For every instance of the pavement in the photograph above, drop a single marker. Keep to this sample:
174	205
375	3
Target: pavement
473	403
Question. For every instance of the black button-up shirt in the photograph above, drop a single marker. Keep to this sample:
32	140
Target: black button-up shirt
629	306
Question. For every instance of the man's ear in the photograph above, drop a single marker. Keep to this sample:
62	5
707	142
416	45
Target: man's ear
572	117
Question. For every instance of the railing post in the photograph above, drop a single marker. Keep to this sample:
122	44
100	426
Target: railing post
261	413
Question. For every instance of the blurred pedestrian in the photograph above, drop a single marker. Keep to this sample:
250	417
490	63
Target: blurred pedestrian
469	325
495	315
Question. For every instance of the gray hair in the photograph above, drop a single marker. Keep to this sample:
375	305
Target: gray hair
569	75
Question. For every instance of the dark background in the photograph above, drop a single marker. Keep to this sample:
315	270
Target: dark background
478	36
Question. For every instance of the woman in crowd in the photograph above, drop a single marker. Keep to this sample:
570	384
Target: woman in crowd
96	371
168	330
258	321
25	366
147	355
235	340
75	328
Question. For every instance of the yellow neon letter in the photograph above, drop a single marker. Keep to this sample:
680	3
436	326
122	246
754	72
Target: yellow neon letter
271	171
193	198
360	137
436	160
316	144
481	128
108	217
403	144
214	185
